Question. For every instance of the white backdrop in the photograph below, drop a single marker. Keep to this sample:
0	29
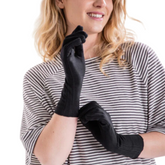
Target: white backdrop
18	54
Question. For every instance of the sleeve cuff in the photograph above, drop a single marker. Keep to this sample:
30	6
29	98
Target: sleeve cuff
29	140
160	129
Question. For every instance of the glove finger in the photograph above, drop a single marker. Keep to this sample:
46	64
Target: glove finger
78	28
89	108
95	109
68	47
96	117
88	118
71	38
80	32
77	34
79	51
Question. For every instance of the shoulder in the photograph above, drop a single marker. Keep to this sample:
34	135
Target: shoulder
137	49
138	58
137	53
38	74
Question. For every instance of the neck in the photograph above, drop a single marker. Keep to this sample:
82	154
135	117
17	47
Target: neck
91	41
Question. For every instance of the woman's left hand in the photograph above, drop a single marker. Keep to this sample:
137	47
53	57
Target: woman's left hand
99	123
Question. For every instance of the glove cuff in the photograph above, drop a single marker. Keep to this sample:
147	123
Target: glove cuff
68	104
130	145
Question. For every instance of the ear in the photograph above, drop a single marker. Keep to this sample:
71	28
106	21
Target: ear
60	4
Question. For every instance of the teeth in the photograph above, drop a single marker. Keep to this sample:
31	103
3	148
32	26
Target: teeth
96	15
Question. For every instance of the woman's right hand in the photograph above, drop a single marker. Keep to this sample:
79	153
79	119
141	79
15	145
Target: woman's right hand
72	56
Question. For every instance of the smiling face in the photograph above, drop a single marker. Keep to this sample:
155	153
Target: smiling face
77	13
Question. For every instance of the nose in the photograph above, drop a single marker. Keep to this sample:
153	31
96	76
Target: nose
100	3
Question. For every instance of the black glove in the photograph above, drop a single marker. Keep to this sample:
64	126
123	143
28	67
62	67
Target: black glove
99	123
72	57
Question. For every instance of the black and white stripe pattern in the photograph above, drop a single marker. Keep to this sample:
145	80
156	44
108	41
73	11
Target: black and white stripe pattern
134	97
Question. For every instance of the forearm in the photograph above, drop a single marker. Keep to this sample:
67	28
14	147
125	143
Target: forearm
55	142
154	145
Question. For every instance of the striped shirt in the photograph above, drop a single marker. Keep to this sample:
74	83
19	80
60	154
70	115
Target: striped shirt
134	98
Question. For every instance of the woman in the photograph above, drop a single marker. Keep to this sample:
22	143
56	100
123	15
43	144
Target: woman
80	105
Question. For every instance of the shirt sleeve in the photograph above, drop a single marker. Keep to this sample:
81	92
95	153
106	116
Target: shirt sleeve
156	94
34	119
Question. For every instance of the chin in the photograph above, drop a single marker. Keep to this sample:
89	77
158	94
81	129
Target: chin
94	30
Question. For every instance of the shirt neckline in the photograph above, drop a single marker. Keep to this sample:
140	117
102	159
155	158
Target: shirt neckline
92	59
87	61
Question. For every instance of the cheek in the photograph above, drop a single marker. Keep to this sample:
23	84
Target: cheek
70	14
110	6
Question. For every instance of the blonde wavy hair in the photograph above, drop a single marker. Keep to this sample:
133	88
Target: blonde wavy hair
50	30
